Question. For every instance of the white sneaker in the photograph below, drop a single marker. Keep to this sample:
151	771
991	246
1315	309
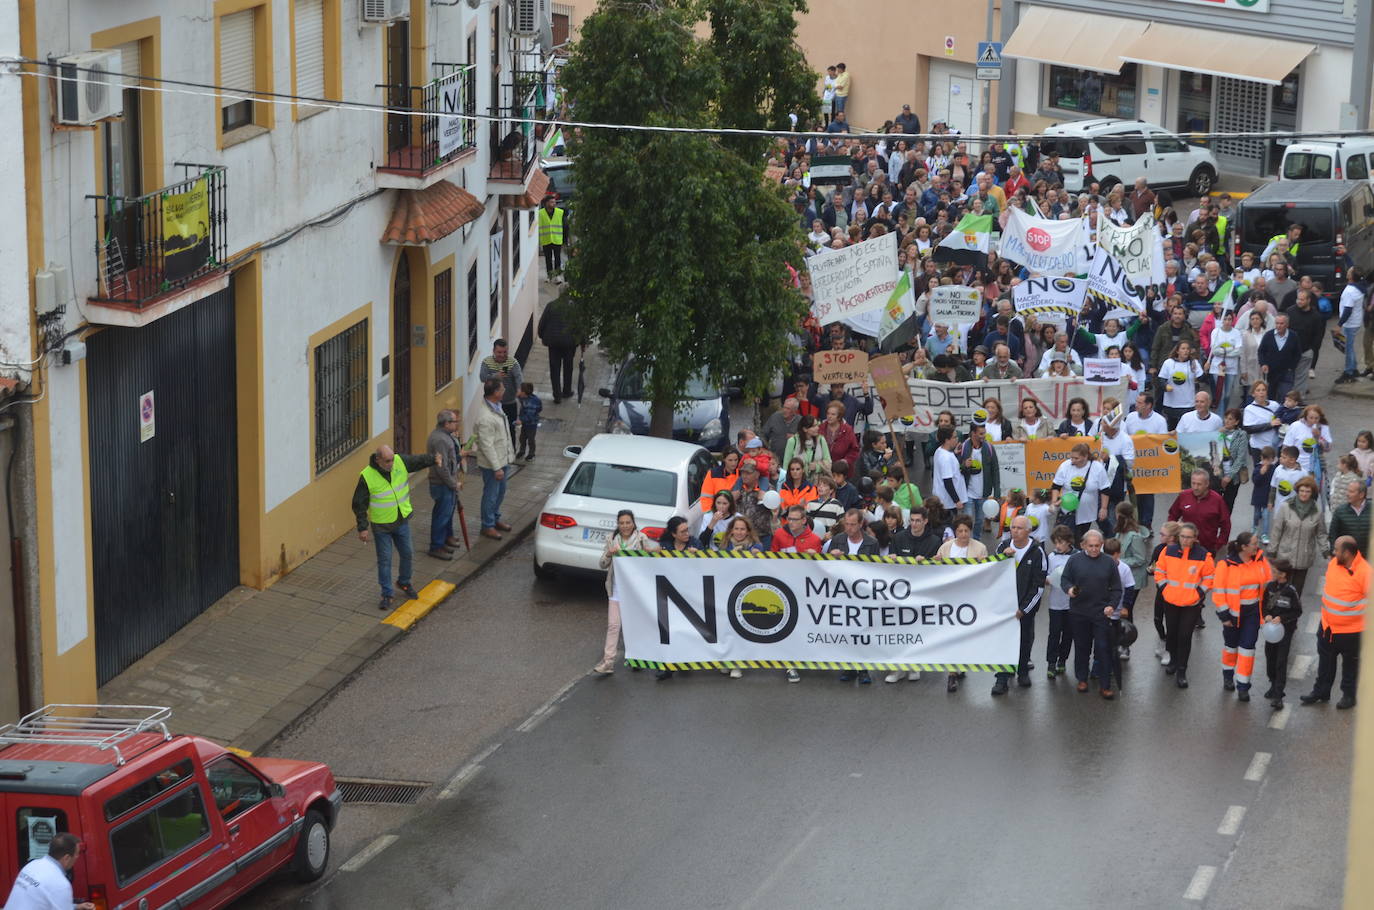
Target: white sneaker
914	675
1159	648
724	671
1164	661
892	677
736	673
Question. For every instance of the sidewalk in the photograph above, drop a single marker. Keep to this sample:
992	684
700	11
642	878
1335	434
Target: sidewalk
256	661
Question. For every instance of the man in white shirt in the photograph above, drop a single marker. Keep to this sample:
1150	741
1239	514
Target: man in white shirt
1350	313
1201	419
42	884
948	479
1144	419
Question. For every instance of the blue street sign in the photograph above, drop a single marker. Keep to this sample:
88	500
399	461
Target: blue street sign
989	53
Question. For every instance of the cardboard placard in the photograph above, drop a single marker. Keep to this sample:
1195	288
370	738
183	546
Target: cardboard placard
1011	464
886	371
839	366
954	304
1102	370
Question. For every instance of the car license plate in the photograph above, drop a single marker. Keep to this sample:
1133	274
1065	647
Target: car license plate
595	535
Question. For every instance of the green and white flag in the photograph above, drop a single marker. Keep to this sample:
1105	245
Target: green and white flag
900	307
970	236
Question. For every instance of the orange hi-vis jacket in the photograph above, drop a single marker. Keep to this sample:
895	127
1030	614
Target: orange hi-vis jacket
713	484
1184	578
1344	595
1236	583
797	496
1008	512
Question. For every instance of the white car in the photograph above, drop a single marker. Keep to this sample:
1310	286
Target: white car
1118	151
654	478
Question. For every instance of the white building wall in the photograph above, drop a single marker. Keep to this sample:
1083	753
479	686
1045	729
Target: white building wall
1324	86
14	254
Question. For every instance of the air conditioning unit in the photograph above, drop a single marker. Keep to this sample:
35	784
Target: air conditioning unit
385	10
88	87
525	18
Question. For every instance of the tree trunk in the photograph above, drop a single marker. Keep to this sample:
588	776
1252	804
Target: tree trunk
661	417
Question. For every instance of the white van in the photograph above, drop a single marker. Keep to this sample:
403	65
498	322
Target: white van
1111	152
1328	159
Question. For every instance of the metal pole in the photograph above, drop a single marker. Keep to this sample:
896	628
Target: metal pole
987	86
1363	61
1006	88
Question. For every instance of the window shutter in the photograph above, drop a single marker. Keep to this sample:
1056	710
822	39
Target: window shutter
310	48
130	59
236	39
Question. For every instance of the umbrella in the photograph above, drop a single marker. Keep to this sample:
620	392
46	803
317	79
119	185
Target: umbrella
463	523
581	375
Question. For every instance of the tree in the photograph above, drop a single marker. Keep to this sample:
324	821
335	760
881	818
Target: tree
682	246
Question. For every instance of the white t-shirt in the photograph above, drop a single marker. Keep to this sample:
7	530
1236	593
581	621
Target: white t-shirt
1036	429
42	885
1300	433
1261	413
1119	445
1351	297
1225	361
853	545
1088	482
1041	520
1191	423
947	468
1110	341
1155	423
958	552
1179	394
1075	363
994	431
1138	383
1127	581
1284	476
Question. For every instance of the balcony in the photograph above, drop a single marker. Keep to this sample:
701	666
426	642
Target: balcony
515	139
162	251
429	142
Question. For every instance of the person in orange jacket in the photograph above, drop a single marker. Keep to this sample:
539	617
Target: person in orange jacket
795	489
1237	589
721	476
1184	572
1343	606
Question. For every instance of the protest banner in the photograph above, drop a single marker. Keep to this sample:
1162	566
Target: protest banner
1011	464
1041	245
886	370
1039	294
1107	282
838	366
853	280
961	399
1043	457
954	304
1101	370
1136	248
1156	468
685	611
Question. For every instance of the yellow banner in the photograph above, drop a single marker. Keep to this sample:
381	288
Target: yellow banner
186	230
1157	468
1043	457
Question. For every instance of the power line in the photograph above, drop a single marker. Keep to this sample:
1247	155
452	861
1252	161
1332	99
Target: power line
209	90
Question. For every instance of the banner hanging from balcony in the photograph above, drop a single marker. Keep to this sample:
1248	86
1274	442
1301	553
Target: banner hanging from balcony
185	231
682	610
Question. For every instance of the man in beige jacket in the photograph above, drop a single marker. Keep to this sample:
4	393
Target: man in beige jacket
495	452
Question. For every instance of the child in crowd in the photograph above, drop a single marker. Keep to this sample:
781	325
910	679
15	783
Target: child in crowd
1262	477
751	448
1291	411
1281	604
1013	504
1168	534
878	459
1039	512
530	406
1135	551
1347	472
1118	652
1285	475
1060	640
1364	452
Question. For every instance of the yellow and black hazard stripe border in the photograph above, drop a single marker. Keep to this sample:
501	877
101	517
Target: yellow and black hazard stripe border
1049	308
817	557
816	665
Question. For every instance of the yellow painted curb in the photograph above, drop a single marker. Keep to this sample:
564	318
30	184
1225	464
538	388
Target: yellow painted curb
241	753
1234	194
410	612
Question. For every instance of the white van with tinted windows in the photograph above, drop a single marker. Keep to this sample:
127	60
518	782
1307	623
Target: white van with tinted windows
1328	159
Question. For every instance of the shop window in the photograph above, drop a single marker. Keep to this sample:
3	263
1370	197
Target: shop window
1090	92
1194	103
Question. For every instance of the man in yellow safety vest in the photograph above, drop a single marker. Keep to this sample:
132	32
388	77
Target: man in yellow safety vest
381	505
551	237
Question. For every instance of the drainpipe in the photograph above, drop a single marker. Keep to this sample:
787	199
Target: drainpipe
18	586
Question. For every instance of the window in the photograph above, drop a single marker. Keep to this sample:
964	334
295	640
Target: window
472	313
497	238
623	483
1123	144
697	469
308	23
1194	102
158	834
340	396
1168	145
1306	166
237	67
144	791
1091	92
516	242
1355	168
234	788
1261	224
443	329
34	829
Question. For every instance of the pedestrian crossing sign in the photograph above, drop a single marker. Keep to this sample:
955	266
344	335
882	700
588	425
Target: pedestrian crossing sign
989	53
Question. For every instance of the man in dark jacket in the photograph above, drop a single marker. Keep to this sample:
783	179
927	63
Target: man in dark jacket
1031	568
1279	353
917	538
1352	519
1309	323
381	506
1093	584
557	335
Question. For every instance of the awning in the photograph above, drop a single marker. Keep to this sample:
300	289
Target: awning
1200	50
424	216
1070	38
539	187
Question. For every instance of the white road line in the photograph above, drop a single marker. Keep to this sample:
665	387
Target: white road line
767	884
1230	822
547	707
1258	765
1301	665
1279	719
1202	880
467	772
361	858
1313	621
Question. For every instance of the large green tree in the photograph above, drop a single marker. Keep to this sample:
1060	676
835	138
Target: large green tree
681	245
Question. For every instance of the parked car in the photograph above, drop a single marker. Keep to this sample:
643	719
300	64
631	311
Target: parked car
167	820
655	478
561	181
1332	213
702	415
1328	159
1111	151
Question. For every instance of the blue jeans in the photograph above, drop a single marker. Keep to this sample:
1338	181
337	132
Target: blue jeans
1352	362
383	540
1263	517
493	492
441	521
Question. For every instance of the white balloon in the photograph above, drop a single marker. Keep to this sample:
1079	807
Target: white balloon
1273	632
771	499
1056	575
991	508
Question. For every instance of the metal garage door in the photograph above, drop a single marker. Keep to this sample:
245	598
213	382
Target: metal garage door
1242	107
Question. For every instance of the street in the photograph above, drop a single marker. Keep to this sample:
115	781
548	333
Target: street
630	792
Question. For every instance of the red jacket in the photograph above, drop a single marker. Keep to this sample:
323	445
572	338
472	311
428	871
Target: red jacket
805	542
843	444
1209	514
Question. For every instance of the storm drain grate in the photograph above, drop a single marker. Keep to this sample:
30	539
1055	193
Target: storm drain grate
392	792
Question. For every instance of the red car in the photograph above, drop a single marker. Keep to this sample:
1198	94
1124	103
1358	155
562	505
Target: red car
166	820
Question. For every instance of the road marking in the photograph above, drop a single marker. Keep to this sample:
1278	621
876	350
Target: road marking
362	857
1301	664
547	708
467	772
412	611
1230	822
1280	718
1313	622
1202	880
767	884
1258	765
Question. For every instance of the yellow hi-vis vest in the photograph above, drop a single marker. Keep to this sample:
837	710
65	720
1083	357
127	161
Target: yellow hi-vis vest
1292	249
388	498
550	227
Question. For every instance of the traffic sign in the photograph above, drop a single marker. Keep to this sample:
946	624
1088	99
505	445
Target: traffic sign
989	73
989	54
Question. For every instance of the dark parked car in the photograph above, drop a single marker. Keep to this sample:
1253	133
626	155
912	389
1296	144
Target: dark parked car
703	414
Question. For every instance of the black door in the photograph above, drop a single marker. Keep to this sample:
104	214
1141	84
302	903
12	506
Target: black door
400	357
164	510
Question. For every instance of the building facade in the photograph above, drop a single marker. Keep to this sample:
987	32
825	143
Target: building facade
253	289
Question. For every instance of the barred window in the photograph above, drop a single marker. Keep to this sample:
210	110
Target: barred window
472	313
443	329
341	419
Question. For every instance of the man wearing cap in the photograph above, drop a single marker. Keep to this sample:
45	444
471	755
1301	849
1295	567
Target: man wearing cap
909	122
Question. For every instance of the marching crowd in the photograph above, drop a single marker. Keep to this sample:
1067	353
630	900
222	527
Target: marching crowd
1224	347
